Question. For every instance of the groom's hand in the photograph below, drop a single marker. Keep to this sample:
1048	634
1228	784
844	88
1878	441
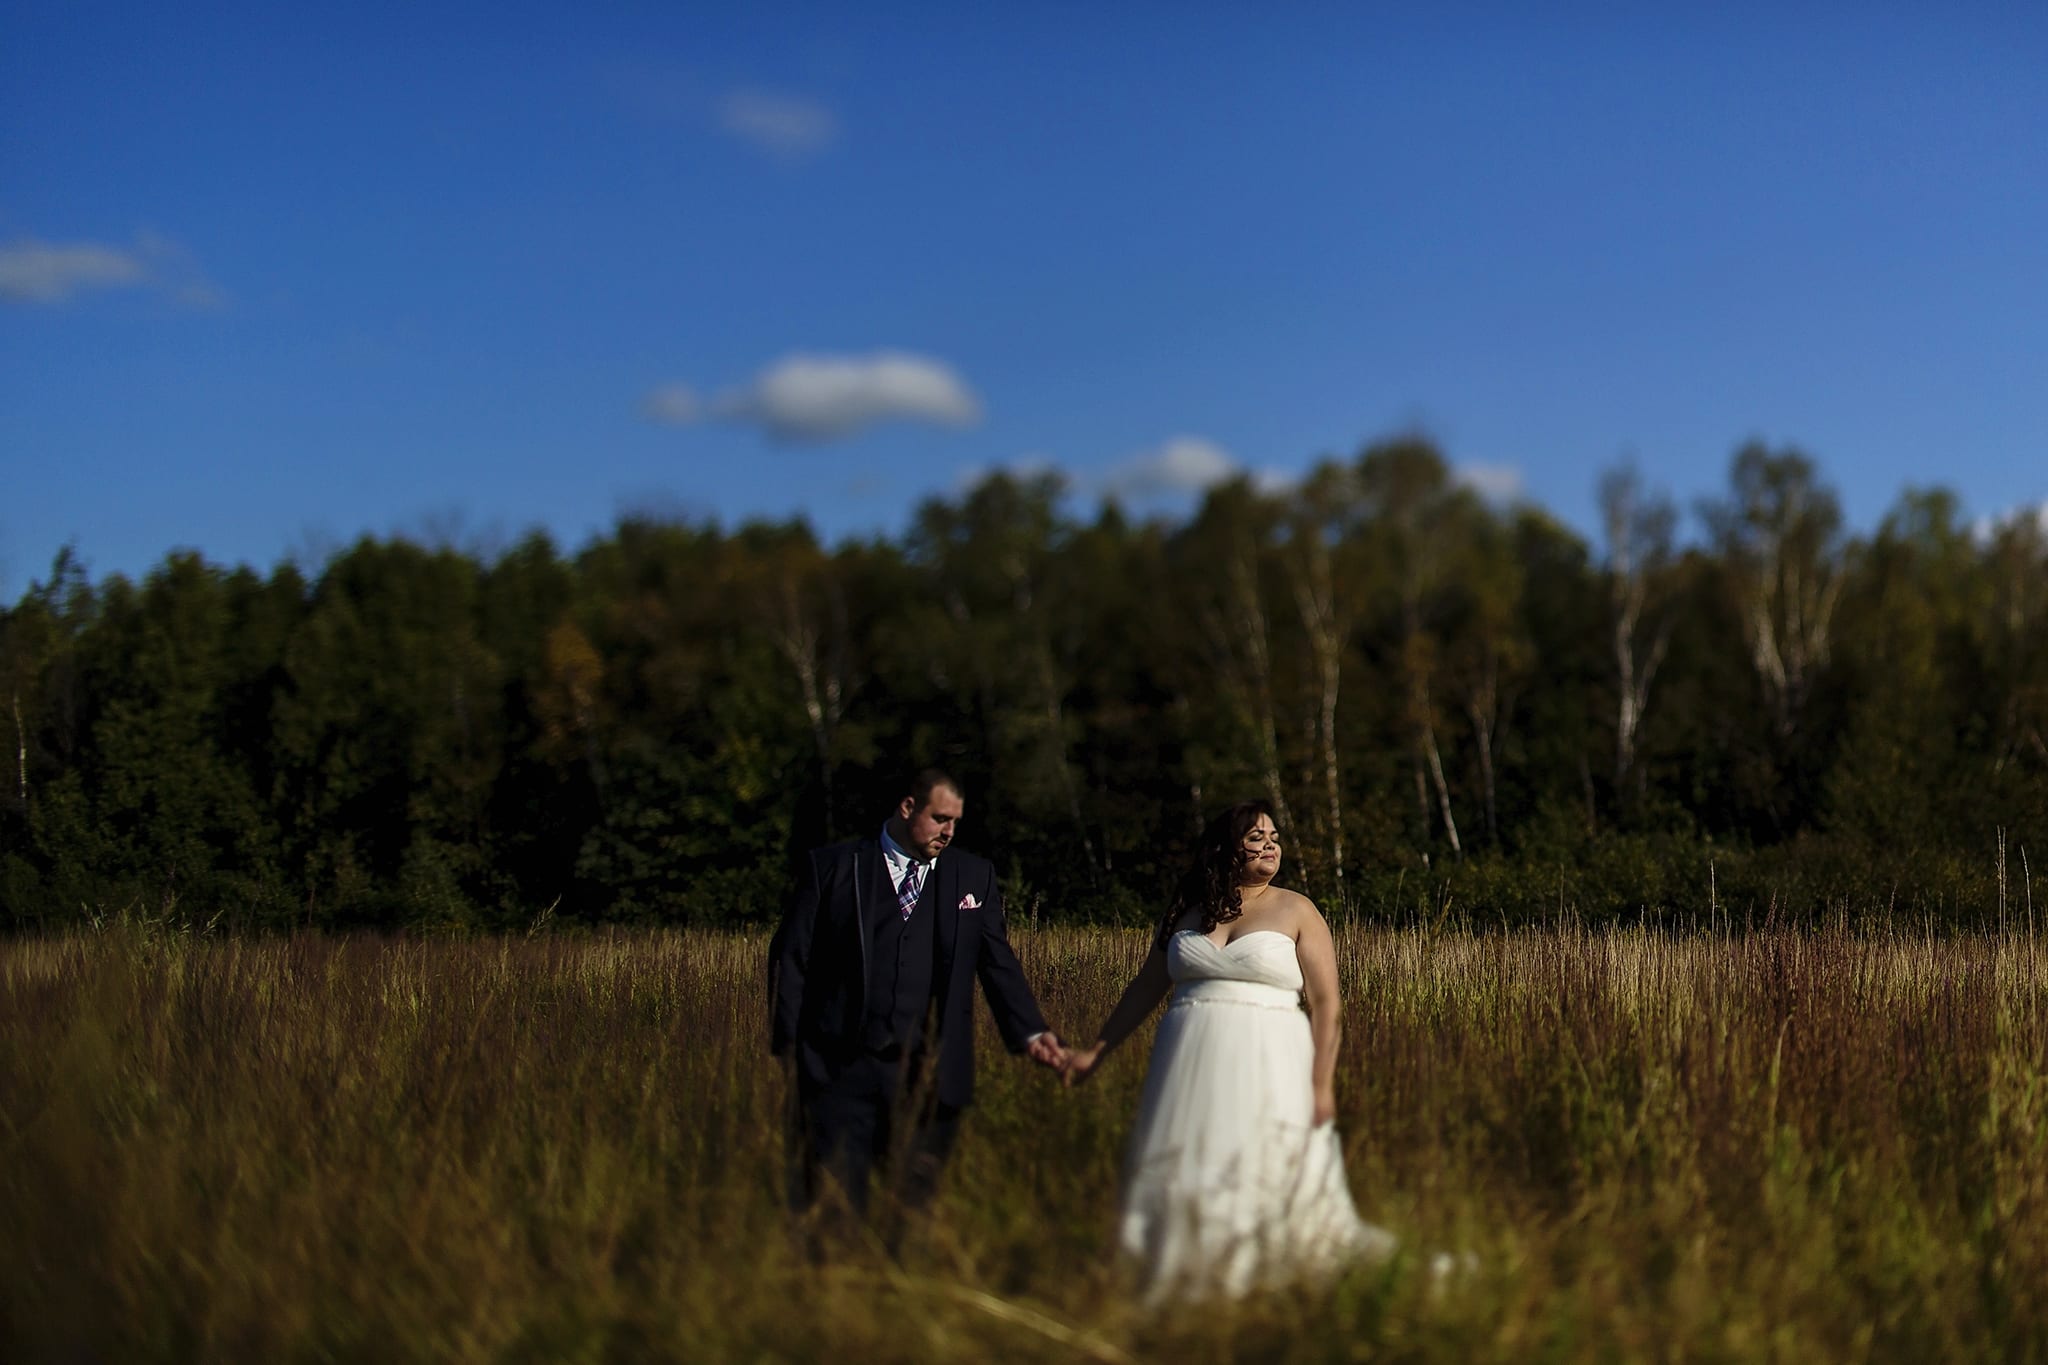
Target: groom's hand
1046	1050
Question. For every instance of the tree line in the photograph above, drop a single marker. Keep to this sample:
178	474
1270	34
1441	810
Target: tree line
1457	709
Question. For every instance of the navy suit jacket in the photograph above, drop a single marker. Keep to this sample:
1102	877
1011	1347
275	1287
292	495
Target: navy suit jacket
818	962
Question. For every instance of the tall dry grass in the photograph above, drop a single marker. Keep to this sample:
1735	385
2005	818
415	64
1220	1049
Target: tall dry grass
1772	1146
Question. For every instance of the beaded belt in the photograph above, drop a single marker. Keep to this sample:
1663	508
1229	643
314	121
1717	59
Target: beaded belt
1224	992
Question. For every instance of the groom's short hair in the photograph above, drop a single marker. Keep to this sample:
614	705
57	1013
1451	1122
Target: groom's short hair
926	781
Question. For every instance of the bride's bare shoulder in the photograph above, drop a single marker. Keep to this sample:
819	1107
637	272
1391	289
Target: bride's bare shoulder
1298	909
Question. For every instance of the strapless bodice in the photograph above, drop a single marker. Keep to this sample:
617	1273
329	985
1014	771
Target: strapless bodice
1256	968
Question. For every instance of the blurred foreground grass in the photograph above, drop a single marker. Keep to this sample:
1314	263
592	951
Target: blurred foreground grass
1771	1147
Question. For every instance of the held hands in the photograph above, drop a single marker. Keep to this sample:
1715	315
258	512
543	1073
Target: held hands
1074	1064
1081	1063
1047	1050
1326	1104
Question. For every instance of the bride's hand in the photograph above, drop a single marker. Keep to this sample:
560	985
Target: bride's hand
1080	1062
1326	1104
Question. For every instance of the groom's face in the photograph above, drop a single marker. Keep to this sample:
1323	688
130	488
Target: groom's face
927	829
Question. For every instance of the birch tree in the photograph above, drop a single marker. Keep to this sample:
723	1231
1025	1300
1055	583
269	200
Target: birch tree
798	602
1404	486
1489	648
1779	533
1324	513
1638	526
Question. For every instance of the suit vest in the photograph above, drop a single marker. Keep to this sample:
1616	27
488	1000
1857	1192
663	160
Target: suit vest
900	968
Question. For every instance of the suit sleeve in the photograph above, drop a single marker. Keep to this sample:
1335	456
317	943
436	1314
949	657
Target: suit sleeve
789	957
1002	977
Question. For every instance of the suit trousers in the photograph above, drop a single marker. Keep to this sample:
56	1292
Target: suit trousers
845	1127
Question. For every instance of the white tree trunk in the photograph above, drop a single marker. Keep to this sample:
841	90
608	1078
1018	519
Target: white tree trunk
1315	596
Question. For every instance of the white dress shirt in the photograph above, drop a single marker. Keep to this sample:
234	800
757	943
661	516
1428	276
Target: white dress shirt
899	861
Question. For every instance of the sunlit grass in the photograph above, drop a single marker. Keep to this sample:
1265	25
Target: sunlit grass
1772	1146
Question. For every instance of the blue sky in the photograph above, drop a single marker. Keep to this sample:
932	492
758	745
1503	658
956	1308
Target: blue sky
275	276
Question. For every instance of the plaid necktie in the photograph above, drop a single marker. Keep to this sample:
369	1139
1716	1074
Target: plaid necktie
913	883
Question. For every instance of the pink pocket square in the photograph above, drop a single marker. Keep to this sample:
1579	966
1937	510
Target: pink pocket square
968	902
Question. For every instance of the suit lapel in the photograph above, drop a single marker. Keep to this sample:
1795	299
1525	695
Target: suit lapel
938	900
868	873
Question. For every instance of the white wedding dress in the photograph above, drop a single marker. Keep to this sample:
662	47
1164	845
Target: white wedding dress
1229	1186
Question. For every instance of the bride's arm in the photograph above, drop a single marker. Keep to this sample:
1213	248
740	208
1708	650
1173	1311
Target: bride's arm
1139	999
1318	956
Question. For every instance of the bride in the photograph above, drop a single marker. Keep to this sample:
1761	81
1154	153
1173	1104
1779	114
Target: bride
1235	1180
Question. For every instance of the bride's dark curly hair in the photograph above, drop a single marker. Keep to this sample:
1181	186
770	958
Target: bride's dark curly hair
1210	883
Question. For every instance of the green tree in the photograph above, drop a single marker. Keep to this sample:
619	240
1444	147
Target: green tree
47	855
171	668
1410	504
1907	647
388	734
1489	653
990	621
699	743
1222	566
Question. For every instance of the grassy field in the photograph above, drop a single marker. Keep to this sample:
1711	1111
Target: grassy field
1774	1146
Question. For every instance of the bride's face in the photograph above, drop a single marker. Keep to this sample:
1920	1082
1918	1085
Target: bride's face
1261	852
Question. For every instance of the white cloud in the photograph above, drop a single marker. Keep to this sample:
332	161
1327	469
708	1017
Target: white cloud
45	272
1184	464
1274	482
786	125
32	271
1494	482
823	397
1986	528
672	405
808	398
1156	479
1024	468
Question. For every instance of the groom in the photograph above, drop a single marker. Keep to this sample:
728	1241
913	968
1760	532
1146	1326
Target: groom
871	977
